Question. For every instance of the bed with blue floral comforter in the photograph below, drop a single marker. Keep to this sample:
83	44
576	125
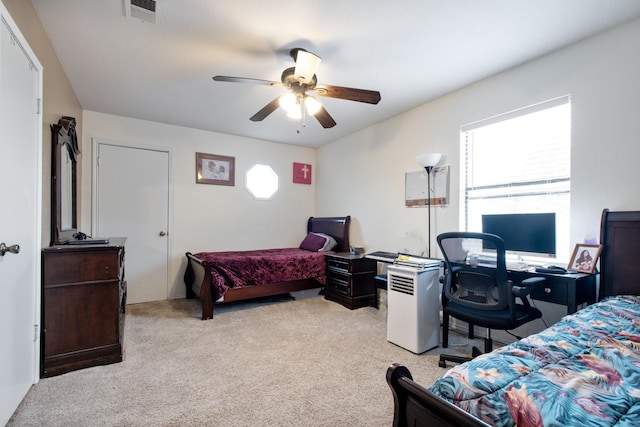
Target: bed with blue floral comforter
582	371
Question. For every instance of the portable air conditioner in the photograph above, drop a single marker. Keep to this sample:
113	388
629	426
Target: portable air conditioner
413	307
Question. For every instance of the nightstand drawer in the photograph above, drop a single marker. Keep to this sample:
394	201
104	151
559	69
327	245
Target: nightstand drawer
339	284
343	265
338	265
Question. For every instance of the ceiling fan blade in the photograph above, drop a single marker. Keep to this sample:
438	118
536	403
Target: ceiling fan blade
306	64
246	80
266	110
348	93
325	118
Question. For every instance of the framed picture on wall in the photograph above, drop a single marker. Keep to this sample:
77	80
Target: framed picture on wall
215	169
415	188
584	258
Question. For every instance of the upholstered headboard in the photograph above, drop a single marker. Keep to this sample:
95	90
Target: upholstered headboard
620	257
337	226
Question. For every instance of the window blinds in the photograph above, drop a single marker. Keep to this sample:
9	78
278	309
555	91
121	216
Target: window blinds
519	162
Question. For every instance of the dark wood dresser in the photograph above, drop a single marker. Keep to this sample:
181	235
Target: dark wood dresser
83	304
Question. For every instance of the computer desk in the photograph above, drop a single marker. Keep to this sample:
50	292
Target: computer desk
568	289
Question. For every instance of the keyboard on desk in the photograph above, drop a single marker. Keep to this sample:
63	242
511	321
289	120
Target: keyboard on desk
383	256
517	266
511	265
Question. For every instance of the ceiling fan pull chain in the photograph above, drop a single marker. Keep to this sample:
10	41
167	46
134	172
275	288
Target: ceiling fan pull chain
304	112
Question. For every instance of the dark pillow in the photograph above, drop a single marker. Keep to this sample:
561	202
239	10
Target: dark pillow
313	242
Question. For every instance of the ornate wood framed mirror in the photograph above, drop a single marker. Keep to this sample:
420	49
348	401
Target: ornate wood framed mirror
64	212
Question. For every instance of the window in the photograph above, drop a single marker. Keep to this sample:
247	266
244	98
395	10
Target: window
519	162
262	182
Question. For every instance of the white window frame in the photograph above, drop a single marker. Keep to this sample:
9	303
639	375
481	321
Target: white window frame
262	182
515	195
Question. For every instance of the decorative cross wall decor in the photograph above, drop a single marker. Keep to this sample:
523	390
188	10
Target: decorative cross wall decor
301	173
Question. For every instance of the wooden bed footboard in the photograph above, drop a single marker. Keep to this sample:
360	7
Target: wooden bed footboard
197	279
414	405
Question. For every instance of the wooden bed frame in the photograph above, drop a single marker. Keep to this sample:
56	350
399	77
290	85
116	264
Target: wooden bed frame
197	277
414	405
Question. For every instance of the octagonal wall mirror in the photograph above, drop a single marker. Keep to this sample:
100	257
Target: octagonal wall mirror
64	211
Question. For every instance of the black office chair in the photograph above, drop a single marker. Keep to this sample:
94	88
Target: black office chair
480	294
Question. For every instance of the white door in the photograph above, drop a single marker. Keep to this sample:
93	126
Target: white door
132	201
20	193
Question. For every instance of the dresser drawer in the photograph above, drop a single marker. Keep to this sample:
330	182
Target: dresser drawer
76	266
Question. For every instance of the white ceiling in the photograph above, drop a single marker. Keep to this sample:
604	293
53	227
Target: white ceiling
412	51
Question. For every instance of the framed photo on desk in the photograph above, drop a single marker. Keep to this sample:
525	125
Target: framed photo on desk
584	258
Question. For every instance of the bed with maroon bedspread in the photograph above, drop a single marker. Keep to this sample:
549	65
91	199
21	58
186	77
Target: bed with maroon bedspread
238	269
216	277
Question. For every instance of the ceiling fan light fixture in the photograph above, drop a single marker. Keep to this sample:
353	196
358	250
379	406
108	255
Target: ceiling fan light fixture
295	113
298	81
306	66
289	102
312	105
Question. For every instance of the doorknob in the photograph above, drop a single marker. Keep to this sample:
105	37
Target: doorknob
162	234
14	249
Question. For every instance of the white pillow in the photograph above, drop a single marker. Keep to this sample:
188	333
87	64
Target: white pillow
329	244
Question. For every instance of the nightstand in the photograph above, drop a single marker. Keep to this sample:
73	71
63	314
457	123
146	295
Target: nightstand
350	280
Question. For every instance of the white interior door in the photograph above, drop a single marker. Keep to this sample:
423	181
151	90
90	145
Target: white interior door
132	201
20	193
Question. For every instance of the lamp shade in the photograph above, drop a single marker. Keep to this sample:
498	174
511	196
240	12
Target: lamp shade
312	105
428	159
306	65
295	113
288	102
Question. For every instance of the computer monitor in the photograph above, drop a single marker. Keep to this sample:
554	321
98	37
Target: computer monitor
524	233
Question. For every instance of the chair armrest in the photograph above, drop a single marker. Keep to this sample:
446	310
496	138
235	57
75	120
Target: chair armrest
526	287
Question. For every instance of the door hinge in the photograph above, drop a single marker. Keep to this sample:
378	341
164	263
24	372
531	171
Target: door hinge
39	106
35	333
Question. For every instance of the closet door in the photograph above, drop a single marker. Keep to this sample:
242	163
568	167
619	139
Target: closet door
132	201
20	217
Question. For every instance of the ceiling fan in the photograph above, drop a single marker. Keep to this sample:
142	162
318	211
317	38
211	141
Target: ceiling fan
301	80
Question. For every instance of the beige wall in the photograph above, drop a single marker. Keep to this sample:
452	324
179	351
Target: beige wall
204	217
363	174
601	75
58	97
211	217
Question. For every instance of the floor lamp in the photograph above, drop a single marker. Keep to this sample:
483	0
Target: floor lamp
428	161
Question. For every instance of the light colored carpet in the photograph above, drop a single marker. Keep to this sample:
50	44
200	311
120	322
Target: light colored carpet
280	362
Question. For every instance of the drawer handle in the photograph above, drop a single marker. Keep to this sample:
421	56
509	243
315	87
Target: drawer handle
547	290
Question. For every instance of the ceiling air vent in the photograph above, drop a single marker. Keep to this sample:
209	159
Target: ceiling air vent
144	10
